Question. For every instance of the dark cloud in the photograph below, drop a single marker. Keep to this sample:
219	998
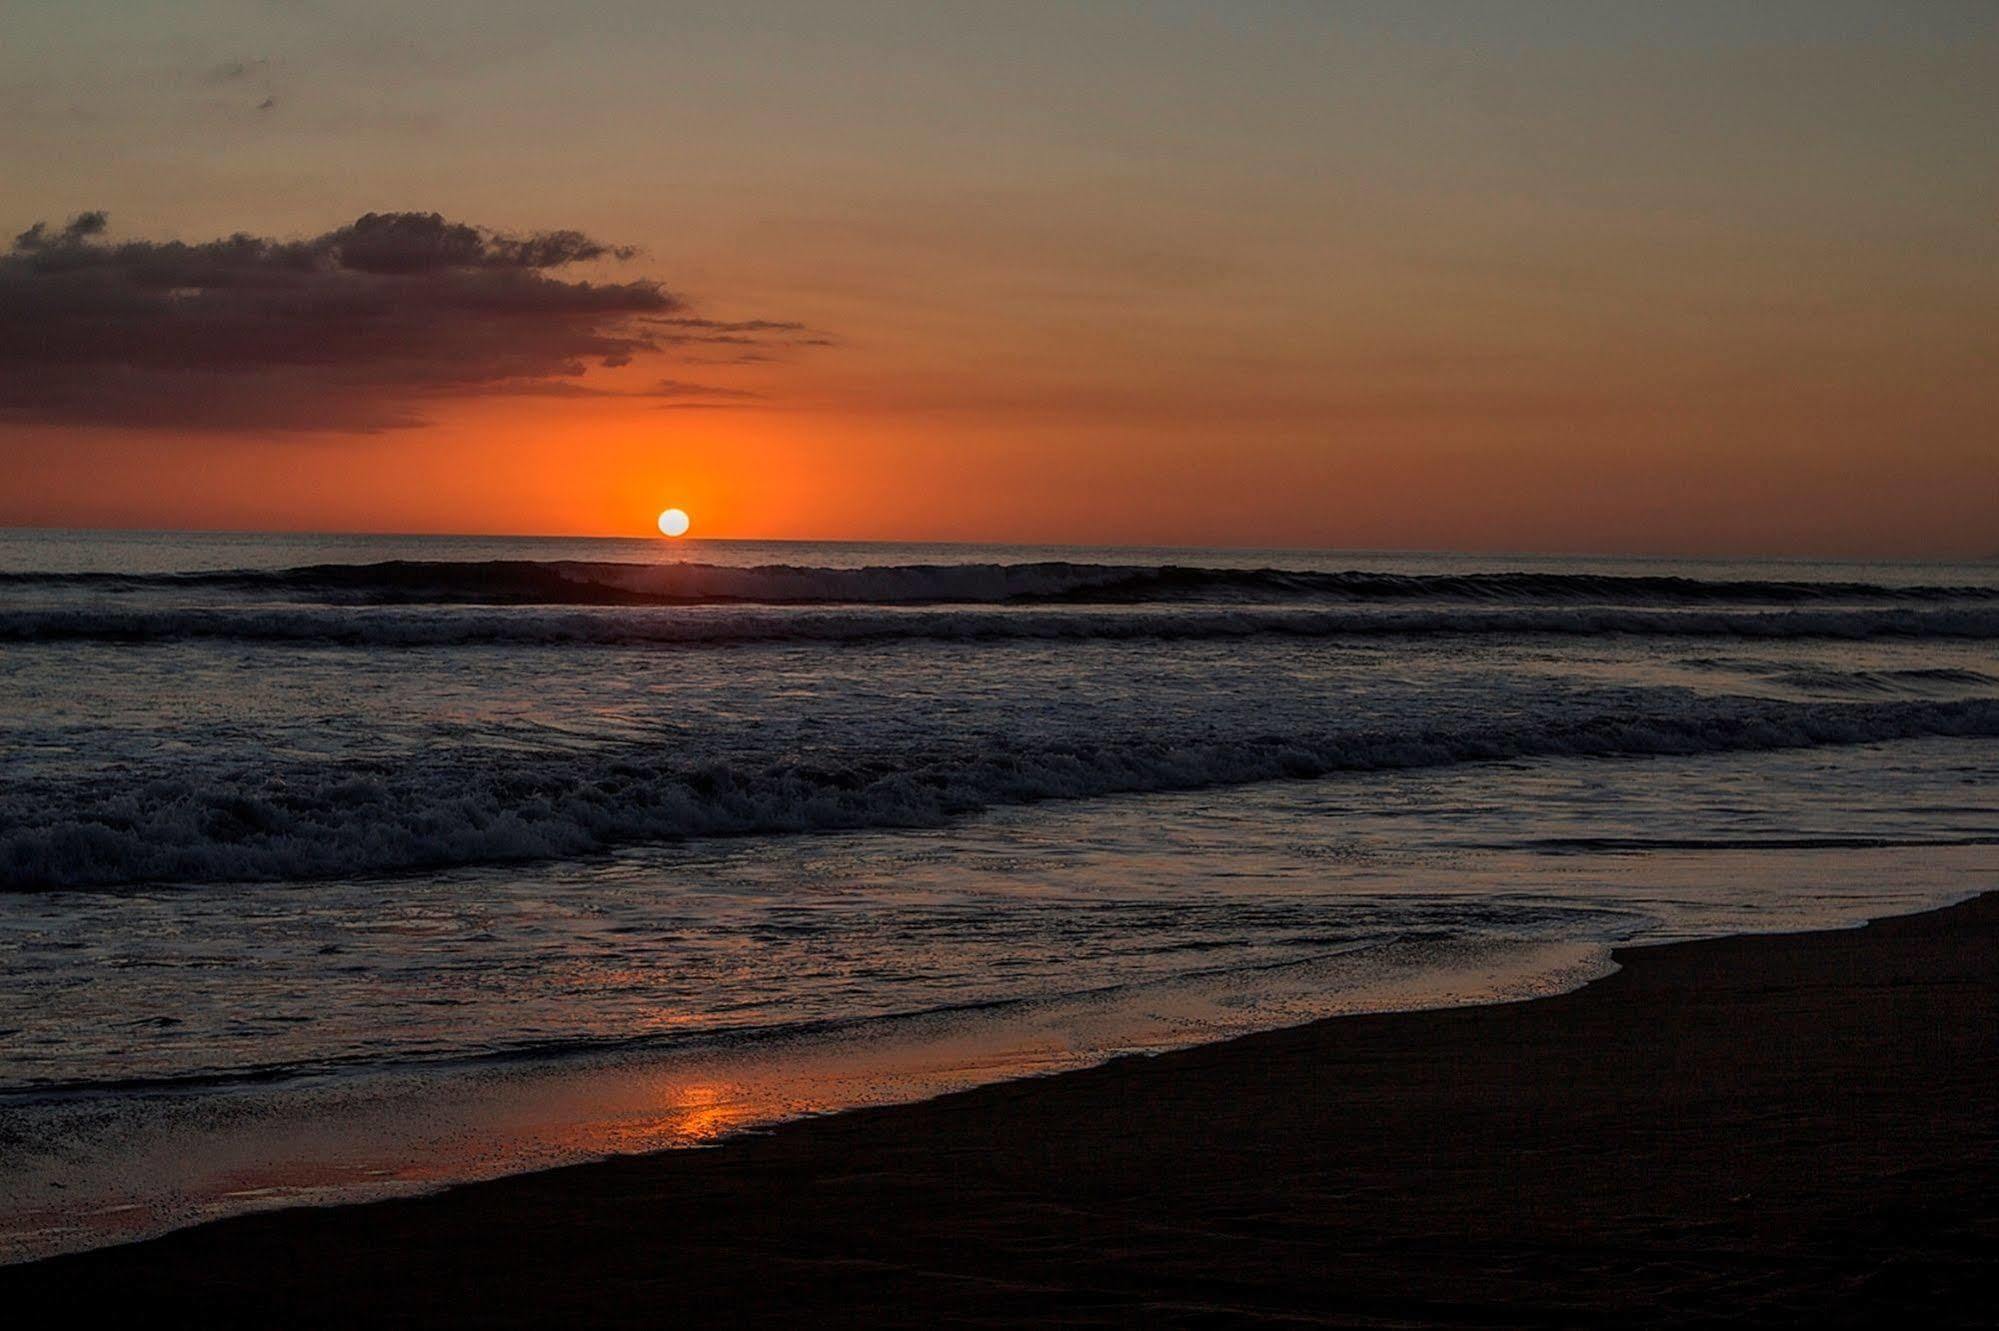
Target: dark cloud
352	329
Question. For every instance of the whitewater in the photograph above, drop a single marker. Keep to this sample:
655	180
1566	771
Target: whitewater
333	867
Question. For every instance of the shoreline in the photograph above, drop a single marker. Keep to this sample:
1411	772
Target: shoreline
417	1130
1768	1127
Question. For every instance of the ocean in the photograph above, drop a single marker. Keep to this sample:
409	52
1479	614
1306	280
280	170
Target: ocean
342	867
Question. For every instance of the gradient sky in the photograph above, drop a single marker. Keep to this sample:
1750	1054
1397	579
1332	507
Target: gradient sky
1593	276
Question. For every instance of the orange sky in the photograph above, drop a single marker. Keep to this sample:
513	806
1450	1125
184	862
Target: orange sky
1593	279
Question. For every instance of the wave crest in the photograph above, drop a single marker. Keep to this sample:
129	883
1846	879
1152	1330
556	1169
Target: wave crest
587	583
467	808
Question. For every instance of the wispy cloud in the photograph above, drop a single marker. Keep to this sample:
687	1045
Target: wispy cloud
686	330
235	71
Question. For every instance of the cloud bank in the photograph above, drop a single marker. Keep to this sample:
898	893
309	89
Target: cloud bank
350	330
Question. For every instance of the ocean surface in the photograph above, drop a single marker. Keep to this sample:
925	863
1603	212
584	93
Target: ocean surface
337	867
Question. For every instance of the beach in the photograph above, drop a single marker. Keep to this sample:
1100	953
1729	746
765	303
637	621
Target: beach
1781	1130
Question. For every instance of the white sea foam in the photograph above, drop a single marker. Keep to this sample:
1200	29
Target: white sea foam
468	806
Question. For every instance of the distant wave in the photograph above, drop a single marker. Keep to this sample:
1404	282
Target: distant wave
409	626
585	583
471	807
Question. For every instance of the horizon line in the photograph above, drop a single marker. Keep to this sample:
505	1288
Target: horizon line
666	541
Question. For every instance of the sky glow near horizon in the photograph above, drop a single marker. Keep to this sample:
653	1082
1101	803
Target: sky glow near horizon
1699	278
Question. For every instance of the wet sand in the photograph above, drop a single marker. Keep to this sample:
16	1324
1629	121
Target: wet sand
1796	1130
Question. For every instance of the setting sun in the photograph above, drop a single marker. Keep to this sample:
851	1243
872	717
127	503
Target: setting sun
673	522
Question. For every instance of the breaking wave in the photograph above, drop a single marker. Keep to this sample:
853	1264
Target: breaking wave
592	583
467	807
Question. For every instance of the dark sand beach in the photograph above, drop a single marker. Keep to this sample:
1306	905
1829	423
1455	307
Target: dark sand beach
1791	1130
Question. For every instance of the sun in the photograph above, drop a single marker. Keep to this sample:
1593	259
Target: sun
673	522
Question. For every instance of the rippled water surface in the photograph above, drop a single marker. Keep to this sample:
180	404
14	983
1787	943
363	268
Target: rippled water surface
337	866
